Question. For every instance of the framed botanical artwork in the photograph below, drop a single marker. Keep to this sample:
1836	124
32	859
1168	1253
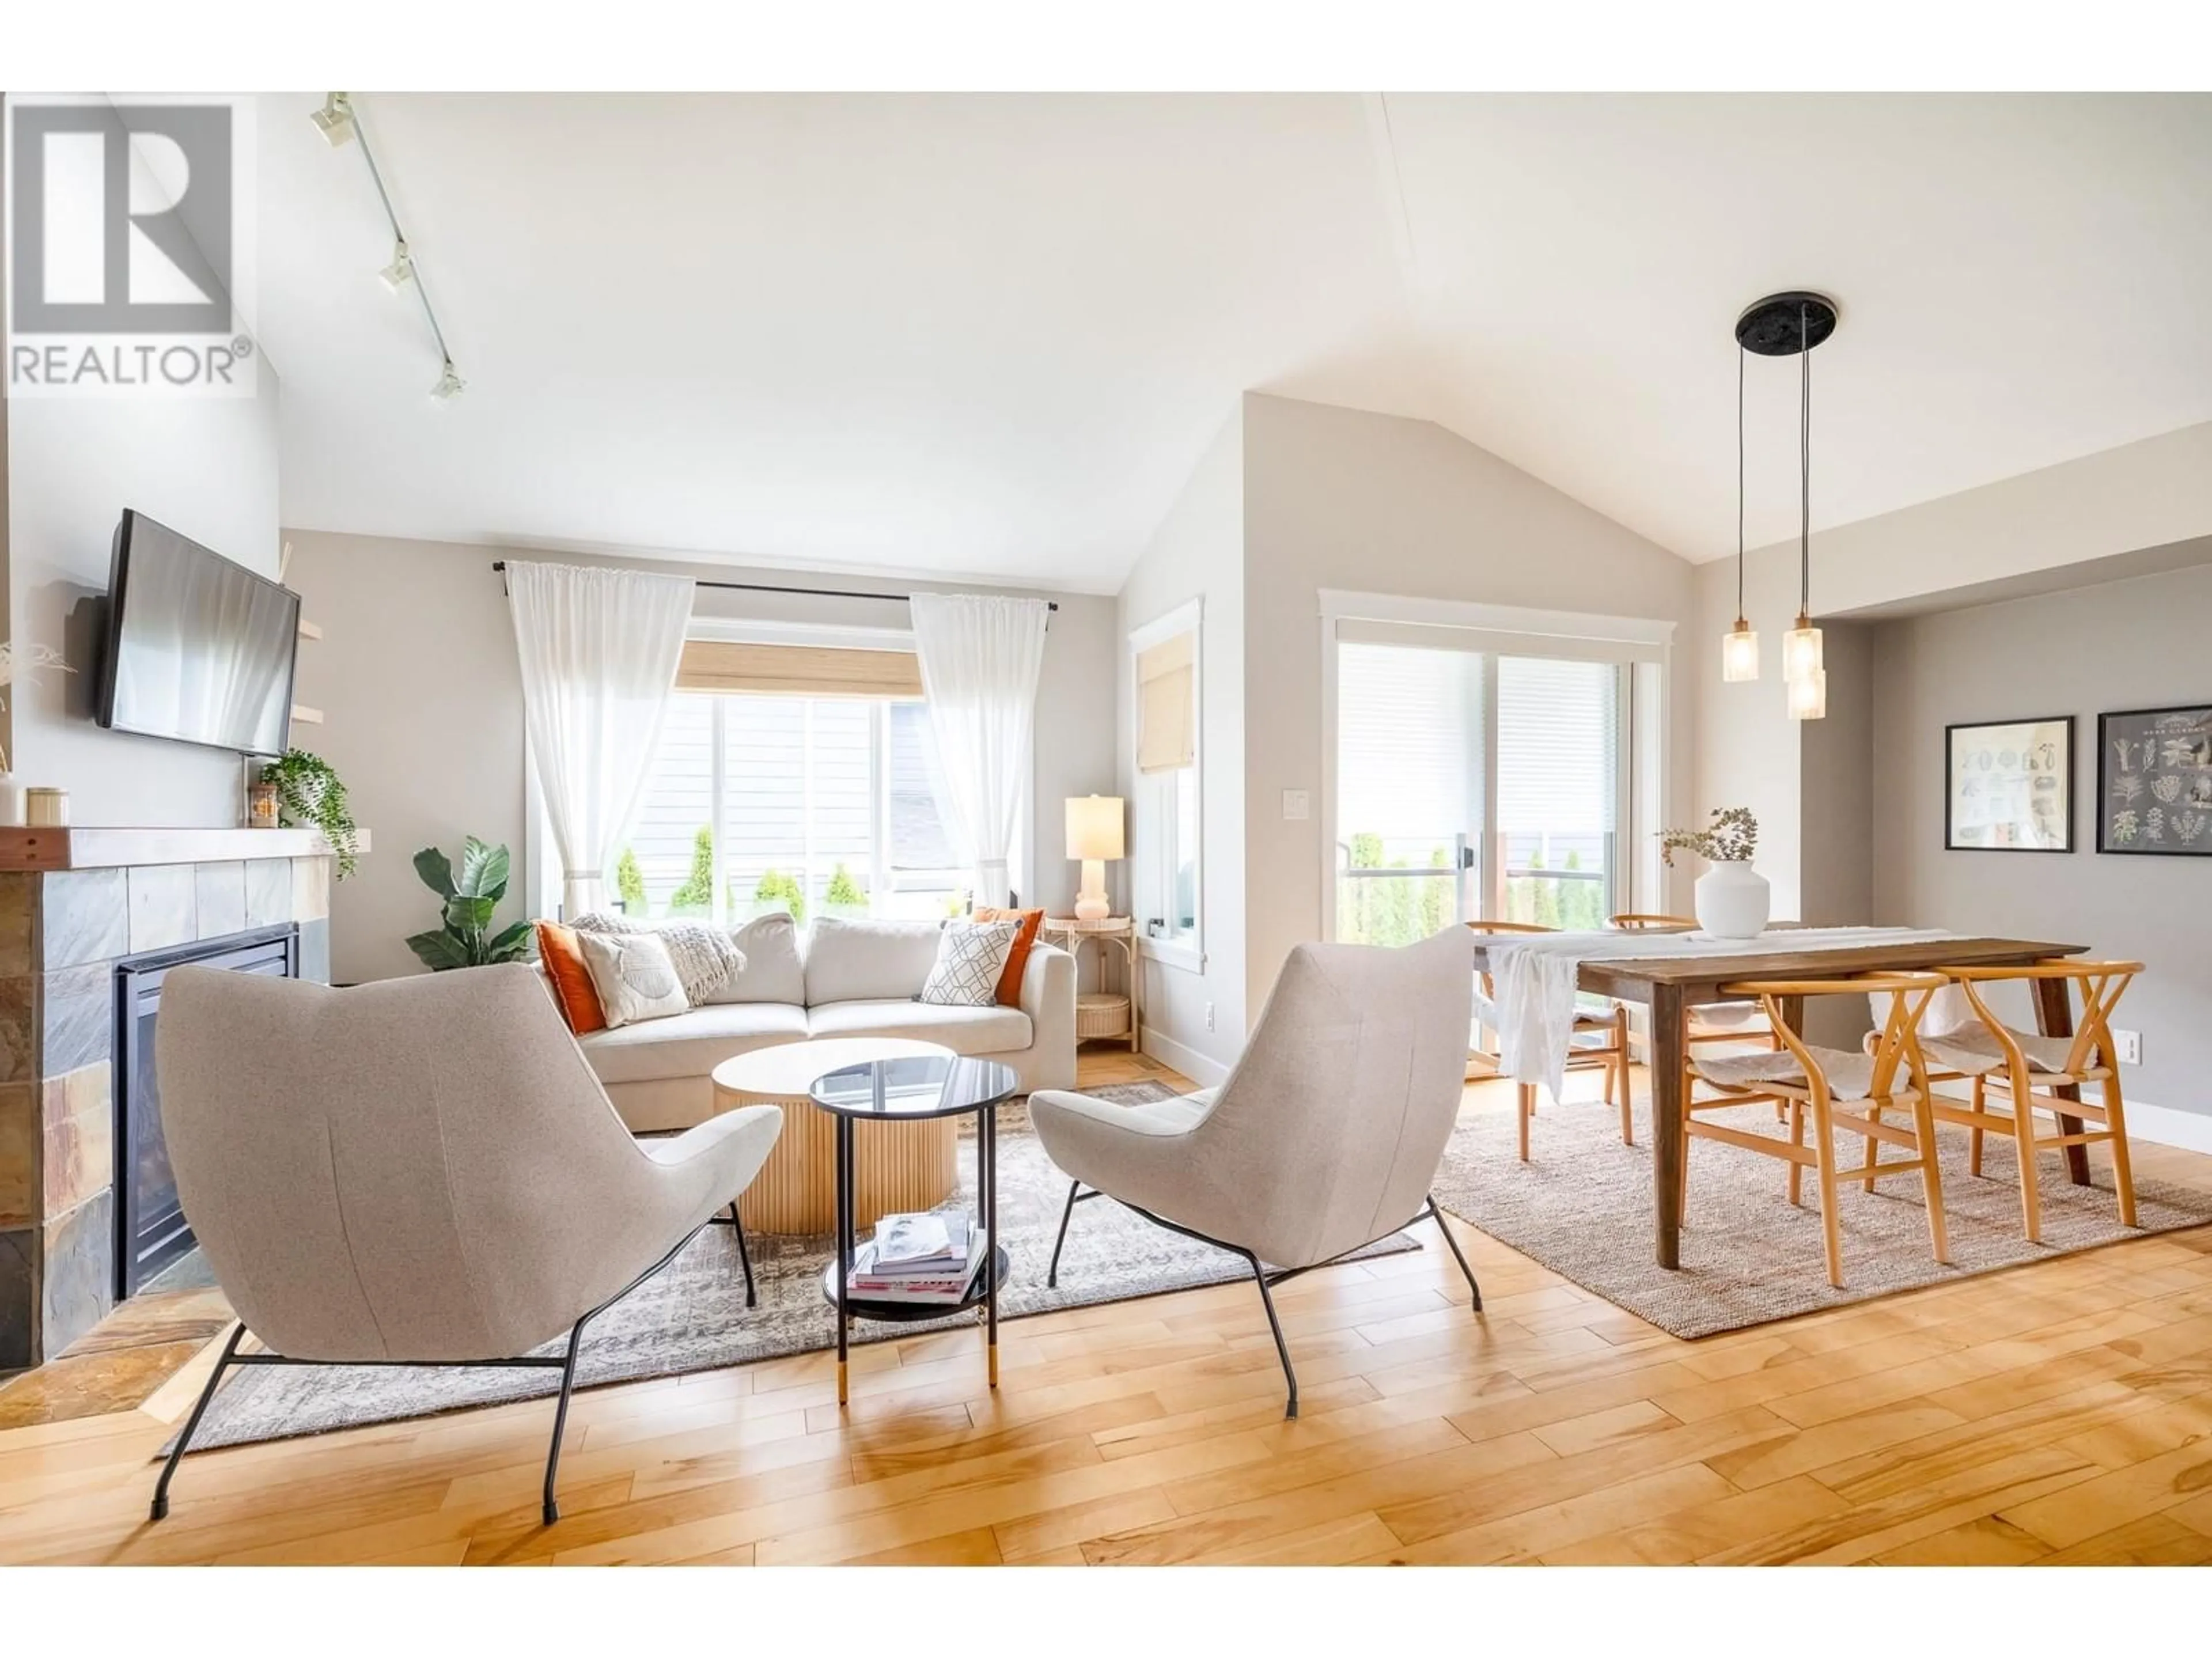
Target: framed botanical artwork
2155	781
2008	787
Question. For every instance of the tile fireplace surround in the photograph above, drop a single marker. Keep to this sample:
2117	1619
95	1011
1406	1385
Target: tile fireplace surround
72	902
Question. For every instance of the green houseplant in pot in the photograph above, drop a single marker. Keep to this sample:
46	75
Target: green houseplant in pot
471	896
1732	898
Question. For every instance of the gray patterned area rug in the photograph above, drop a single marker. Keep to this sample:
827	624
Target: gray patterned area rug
1582	1207
692	1315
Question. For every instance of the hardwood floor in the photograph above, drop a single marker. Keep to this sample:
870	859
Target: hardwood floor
2058	1412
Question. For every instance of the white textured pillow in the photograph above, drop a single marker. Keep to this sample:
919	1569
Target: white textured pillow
706	956
970	957
634	975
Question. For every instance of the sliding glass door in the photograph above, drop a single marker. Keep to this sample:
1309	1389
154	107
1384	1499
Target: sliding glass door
1410	784
1473	783
1558	790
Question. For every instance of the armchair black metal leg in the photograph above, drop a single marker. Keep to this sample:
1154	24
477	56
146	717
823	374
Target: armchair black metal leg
744	1257
561	1415
1052	1273
161	1507
1458	1255
1282	1348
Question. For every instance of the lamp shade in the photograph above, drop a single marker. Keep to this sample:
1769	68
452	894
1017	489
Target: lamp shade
1094	827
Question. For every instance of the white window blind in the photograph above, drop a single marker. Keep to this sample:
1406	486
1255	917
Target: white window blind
1167	703
1409	743
1559	747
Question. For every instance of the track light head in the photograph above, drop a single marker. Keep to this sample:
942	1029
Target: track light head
401	271
450	384
334	120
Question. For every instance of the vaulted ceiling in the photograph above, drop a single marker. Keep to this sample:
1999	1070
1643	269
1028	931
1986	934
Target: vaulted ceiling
991	335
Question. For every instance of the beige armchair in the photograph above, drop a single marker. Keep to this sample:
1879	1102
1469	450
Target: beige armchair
421	1171
1325	1136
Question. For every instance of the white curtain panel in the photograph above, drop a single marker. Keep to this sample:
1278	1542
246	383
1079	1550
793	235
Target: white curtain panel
979	658
598	650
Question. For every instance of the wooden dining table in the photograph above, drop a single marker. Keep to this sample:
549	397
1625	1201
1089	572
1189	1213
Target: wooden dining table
1670	986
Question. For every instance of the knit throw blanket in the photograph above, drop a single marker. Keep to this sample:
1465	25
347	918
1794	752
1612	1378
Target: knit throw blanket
705	955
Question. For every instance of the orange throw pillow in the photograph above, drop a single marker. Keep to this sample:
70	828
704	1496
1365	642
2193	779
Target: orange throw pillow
1009	980
572	981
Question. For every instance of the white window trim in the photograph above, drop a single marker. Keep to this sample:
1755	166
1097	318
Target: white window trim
1187	953
1464	624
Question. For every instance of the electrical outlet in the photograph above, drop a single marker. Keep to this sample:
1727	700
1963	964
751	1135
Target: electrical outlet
2130	1043
1209	1015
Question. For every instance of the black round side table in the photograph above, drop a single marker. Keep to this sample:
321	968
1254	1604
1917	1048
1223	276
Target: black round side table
886	1091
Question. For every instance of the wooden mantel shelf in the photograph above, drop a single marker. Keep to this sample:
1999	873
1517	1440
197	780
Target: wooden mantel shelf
92	846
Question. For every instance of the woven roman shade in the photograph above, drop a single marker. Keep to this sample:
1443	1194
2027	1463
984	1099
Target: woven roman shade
798	670
1167	703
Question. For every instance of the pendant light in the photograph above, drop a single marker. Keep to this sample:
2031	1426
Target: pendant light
1740	645
1791	325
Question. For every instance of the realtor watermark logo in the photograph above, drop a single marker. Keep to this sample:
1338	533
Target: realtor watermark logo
130	247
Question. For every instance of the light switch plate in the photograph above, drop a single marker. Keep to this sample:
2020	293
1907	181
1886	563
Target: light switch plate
1297	806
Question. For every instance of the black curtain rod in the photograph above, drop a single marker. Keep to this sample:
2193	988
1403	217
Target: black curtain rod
810	592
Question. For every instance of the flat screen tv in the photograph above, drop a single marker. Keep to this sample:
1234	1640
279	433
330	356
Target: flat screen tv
199	648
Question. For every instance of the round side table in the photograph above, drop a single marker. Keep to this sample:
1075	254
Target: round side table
910	1165
939	1090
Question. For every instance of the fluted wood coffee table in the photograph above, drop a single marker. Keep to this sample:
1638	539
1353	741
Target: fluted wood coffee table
910	1165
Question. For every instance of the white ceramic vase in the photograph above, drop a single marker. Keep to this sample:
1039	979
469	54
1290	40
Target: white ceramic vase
1733	901
11	801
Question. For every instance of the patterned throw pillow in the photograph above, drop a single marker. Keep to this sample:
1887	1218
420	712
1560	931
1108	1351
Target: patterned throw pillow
634	976
1018	959
970	957
705	955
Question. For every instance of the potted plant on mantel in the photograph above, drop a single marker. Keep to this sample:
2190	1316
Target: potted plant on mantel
310	795
1733	899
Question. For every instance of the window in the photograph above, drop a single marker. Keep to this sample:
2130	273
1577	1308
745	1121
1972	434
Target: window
758	802
1166	821
1480	773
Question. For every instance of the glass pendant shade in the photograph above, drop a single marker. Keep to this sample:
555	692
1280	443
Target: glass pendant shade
1801	651
1808	696
1739	651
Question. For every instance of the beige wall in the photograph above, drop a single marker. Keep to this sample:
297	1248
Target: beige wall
2024	532
205	466
418	678
1198	552
1337	498
2120	645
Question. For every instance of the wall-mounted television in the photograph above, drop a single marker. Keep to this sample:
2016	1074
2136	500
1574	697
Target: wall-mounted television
198	648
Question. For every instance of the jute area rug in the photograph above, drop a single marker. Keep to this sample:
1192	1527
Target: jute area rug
1582	1207
692	1315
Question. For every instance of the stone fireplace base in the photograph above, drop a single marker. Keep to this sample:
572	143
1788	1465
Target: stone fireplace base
62	929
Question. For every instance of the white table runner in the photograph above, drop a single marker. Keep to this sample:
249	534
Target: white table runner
1534	979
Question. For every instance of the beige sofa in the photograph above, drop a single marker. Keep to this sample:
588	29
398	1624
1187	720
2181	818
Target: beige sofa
836	978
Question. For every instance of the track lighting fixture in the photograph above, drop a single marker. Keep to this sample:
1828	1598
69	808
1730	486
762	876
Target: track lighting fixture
338	122
334	120
398	274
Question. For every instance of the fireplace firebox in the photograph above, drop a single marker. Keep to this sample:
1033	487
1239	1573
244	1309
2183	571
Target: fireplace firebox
151	1230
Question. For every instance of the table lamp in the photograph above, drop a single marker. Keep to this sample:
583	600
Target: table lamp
1094	834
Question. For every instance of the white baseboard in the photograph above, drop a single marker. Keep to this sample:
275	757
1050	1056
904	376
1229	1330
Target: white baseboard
1201	1069
2160	1125
2192	1131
